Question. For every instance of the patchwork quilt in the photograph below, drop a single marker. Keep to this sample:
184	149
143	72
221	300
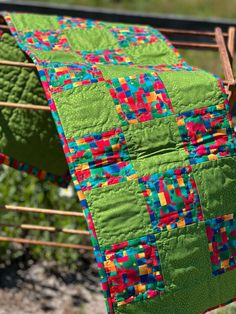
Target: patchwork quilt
152	154
28	138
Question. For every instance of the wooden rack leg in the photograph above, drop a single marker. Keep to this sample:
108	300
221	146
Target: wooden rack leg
231	44
231	49
225	60
224	56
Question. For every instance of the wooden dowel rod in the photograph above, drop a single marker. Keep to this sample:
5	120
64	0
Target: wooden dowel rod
188	32
24	106
231	44
41	211
45	228
18	64
186	44
224	56
46	243
4	28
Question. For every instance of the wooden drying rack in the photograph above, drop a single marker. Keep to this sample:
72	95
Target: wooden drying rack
224	43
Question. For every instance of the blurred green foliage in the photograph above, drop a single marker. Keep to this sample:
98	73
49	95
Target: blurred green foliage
200	8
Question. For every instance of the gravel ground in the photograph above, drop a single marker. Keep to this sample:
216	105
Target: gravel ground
44	288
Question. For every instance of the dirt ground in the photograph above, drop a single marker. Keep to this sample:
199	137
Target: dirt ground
43	287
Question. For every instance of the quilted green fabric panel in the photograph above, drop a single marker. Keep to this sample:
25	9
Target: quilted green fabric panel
32	147
151	150
95	97
155	143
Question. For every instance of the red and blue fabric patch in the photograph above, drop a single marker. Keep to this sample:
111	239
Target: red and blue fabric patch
115	57
63	76
133	270
221	233
67	22
45	40
100	159
140	98
132	36
172	199
207	133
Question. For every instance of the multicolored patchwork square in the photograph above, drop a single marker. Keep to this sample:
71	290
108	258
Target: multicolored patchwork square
172	199
62	76
134	271
116	56
207	133
131	36
67	22
100	159
221	233
49	40
140	98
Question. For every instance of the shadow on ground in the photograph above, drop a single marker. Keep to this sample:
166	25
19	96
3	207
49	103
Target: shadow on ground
44	287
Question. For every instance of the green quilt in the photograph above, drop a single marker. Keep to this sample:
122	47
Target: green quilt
152	153
28	138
